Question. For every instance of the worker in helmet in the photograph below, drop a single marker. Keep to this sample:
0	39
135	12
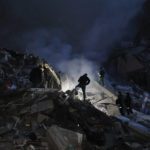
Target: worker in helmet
120	103
101	76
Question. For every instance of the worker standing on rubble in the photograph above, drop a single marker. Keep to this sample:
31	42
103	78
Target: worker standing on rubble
119	103
128	101
101	76
83	82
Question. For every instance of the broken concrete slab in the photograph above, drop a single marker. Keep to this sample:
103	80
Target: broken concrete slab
41	118
60	138
42	90
4	145
4	130
105	91
138	128
41	106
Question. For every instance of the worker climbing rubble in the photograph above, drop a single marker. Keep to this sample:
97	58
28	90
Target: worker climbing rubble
83	82
101	75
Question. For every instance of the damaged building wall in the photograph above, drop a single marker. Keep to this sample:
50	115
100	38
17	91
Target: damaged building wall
132	67
124	63
15	69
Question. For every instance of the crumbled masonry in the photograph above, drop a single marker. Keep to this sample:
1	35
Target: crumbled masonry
24	123
49	119
16	67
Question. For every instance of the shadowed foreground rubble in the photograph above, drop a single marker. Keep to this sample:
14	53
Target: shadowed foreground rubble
48	119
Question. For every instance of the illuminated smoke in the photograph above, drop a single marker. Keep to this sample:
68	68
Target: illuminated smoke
76	68
59	30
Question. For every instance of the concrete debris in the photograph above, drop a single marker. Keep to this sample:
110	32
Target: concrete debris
43	120
41	106
136	127
6	145
62	139
15	71
49	119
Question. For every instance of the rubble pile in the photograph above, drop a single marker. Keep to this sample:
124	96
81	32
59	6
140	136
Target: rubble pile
48	119
16	67
131	70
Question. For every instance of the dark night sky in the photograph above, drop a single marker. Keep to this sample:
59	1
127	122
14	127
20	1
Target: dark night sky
62	29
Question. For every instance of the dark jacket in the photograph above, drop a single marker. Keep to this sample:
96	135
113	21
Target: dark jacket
102	73
128	101
119	100
84	80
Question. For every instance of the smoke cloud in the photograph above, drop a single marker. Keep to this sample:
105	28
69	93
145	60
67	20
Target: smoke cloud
63	31
66	28
111	26
76	68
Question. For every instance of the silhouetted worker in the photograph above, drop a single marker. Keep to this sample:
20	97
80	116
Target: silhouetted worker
36	76
83	82
128	101
101	76
119	103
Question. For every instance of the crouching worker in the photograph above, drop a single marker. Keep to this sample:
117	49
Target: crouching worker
83	82
101	75
128	103
119	103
